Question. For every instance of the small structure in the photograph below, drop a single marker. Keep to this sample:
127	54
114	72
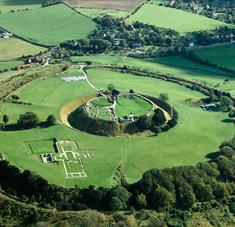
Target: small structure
2	158
74	78
211	107
47	158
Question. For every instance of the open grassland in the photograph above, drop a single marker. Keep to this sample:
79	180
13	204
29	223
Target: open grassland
132	105
176	65
175	19
221	55
137	153
6	65
106	4
49	25
11	49
95	12
10	5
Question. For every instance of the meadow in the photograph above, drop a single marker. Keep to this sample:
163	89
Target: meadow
220	55
12	49
175	19
6	65
49	25
175	65
137	153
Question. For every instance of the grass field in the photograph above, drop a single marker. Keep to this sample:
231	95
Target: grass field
134	105
176	65
178	20
9	5
222	55
106	4
9	64
95	12
137	153
11	49
49	25
41	147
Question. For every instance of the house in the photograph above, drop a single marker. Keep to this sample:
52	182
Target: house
211	107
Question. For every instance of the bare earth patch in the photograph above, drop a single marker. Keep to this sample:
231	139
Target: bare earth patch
106	4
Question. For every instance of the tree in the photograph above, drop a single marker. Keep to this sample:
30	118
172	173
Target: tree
51	120
28	120
162	198
164	96
116	204
141	202
159	117
143	123
5	119
110	87
226	101
186	198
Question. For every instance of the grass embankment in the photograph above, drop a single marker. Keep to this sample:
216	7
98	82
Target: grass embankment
176	65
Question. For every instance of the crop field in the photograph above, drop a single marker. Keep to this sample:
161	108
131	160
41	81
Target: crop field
49	25
9	5
106	4
11	49
176	65
167	149
175	19
221	55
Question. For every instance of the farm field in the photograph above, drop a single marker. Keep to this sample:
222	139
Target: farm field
11	49
222	55
106	4
175	19
9	5
49	25
6	65
108	153
95	12
176	65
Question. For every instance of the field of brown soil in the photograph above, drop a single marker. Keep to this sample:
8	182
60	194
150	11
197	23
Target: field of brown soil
106	4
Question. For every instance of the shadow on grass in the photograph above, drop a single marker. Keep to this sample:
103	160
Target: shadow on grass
212	155
228	120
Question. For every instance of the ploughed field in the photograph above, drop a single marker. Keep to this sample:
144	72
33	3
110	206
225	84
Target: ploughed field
106	4
48	25
188	143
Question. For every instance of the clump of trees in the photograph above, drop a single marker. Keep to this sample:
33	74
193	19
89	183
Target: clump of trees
28	120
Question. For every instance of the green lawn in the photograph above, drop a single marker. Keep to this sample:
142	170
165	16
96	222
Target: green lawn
49	25
9	5
133	105
175	19
41	147
137	153
11	49
222	55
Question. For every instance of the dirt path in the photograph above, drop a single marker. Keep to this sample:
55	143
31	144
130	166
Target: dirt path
71	106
